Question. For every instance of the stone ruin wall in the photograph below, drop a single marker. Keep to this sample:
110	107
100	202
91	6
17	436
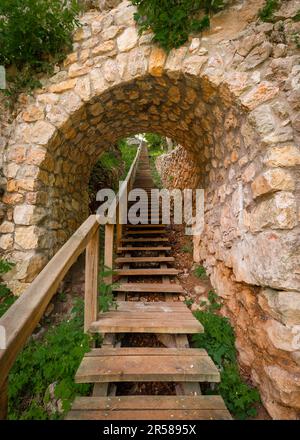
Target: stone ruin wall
232	102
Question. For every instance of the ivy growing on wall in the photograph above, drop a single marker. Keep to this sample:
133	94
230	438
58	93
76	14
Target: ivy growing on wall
172	21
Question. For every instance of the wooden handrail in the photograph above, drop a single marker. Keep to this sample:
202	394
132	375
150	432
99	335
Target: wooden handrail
23	316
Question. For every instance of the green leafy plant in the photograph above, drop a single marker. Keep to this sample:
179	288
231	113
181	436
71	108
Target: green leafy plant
189	302
6	296
24	81
52	359
218	339
214	304
200	272
107	299
32	31
187	248
267	12
34	35
297	16
128	153
172	21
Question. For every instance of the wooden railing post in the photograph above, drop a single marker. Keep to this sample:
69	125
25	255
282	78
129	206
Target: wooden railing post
91	281
108	250
4	400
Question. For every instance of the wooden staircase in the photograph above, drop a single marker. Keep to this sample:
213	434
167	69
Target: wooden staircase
144	267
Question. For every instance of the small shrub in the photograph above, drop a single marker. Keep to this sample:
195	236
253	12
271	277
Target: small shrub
267	12
200	272
53	359
297	16
218	340
32	31
173	21
34	34
187	248
189	302
107	299
128	153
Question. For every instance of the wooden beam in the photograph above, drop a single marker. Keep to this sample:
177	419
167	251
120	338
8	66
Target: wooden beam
108	251
91	281
4	400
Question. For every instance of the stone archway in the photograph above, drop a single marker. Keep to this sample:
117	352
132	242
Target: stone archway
238	129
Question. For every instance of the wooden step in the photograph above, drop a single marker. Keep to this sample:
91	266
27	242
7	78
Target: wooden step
149	408
142	319
145	272
137	365
146	232
147	225
149	288
123	260
144	239
145	249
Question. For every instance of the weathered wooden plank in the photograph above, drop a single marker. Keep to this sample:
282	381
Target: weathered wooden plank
149	403
112	325
123	260
144	240
144	249
138	306
91	281
187	368
146	272
149	287
146	232
139	414
150	225
146	351
108	250
4	400
180	316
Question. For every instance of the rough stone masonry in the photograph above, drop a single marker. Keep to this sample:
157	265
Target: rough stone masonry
232	100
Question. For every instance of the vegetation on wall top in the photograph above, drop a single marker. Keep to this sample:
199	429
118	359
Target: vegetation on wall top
34	35
172	21
267	12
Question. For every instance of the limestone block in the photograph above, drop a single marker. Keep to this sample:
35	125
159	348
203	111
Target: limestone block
157	61
28	214
272	180
285	156
284	305
128	39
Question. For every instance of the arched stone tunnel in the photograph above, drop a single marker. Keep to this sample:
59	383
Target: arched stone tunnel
238	123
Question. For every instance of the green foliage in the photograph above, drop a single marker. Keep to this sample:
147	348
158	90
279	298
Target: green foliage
31	31
108	161
187	248
214	304
267	12
238	395
218	339
34	34
172	21
200	272
6	297
24	81
189	302
297	16
128	153
156	143
107	299
53	359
